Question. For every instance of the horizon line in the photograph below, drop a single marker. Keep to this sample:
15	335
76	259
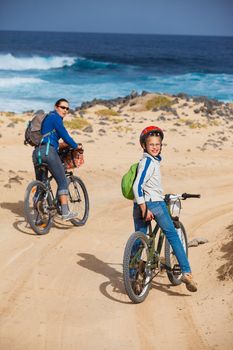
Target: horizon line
115	33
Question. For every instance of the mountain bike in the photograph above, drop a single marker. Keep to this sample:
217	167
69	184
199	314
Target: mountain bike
142	261
41	205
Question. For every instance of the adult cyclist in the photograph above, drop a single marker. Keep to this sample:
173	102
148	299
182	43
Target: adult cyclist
47	152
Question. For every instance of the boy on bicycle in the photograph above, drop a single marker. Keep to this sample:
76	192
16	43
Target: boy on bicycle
149	201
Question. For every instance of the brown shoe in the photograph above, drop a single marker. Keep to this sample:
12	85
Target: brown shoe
191	285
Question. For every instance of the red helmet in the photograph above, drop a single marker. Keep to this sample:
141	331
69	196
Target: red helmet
153	130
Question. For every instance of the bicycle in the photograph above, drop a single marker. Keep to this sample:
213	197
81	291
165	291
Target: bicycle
142	261
41	205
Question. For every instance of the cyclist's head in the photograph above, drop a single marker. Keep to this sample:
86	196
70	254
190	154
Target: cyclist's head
58	102
62	107
150	131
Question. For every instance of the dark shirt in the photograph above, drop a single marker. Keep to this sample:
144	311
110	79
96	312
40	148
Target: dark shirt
54	121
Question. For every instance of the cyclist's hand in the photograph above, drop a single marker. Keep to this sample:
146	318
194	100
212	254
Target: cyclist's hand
149	216
80	148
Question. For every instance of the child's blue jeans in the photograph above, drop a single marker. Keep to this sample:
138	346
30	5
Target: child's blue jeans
162	217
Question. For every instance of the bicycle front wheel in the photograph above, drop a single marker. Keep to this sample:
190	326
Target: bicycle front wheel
136	270
174	274
78	200
37	207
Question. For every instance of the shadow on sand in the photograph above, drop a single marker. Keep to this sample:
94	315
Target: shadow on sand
115	279
20	223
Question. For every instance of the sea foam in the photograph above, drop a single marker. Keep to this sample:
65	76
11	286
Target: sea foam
18	81
10	62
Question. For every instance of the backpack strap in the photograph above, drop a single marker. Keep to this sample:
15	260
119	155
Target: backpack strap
47	145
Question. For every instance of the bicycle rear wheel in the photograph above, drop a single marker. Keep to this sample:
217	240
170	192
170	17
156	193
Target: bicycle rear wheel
78	200
136	270
174	275
36	207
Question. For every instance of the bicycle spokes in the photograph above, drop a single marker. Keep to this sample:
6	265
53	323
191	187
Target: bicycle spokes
37	207
78	201
136	267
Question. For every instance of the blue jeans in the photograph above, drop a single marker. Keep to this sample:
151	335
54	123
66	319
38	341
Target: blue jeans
162	217
55	167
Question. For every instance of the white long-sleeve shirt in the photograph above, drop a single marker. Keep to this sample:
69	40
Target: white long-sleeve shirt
147	185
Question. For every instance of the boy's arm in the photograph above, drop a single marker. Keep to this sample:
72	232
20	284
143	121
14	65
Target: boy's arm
145	170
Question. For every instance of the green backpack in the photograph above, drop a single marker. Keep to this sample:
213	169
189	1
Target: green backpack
127	182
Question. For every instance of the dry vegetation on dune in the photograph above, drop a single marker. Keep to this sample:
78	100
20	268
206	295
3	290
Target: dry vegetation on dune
76	123
225	271
158	102
106	112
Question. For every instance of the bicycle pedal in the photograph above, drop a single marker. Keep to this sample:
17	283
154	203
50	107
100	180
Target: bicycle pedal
176	269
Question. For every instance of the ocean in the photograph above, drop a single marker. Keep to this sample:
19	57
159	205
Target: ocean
37	68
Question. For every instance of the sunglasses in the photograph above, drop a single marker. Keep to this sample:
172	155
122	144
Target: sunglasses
63	107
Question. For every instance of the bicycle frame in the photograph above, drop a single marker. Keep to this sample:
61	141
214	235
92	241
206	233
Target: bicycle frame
154	254
53	201
47	182
155	251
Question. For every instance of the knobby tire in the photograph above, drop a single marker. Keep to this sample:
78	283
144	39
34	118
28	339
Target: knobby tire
78	200
135	270
35	211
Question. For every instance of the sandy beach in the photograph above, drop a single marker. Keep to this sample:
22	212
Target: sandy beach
65	290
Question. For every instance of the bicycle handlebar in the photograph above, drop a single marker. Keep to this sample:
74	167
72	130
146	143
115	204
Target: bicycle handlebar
174	197
189	195
168	198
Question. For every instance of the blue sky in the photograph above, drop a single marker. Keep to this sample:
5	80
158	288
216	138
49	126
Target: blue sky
194	17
